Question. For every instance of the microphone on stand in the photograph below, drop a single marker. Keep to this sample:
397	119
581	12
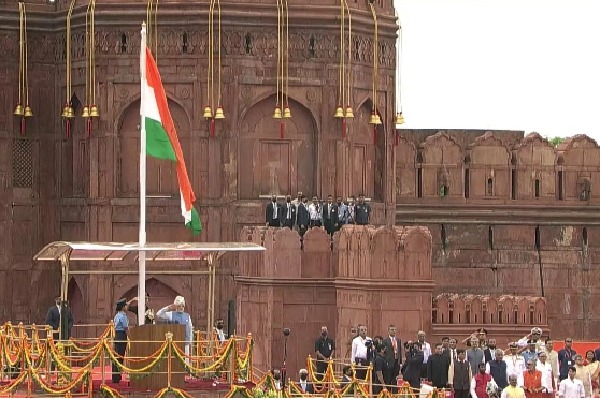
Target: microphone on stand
286	333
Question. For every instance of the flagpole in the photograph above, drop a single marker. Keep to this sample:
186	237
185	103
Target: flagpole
142	238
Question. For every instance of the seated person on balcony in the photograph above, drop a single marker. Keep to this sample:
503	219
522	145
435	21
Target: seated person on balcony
175	314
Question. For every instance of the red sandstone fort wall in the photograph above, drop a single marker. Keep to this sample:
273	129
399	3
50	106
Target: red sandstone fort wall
511	206
373	276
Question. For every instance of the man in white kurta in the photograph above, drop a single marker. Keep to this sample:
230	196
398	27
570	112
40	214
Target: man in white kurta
545	368
175	314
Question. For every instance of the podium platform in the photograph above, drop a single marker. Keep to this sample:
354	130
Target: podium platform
145	340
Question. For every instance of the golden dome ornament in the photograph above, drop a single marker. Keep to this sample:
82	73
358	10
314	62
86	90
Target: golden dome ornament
86	112
277	113
208	112
28	112
70	112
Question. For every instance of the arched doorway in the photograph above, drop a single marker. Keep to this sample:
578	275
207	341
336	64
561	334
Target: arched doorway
160	294
269	164
77	304
161	177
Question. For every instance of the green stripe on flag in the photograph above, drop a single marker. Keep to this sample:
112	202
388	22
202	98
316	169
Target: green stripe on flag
195	225
158	144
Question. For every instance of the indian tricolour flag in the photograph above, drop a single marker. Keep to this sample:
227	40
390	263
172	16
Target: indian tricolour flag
161	138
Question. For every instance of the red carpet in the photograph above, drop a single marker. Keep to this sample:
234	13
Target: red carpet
191	384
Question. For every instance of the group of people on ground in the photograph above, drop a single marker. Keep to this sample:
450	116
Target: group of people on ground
529	368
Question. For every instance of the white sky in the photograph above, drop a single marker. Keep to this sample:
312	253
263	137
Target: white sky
529	65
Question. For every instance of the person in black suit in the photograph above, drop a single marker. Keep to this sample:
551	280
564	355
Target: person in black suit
413	364
273	212
393	357
379	369
53	319
288	213
303	217
490	352
362	211
330	216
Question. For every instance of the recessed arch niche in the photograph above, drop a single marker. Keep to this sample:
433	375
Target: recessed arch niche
368	156
270	164
161	176
78	309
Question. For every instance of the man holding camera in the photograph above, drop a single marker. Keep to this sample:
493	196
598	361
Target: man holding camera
412	367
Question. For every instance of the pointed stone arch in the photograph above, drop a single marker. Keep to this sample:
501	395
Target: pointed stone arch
523	310
492	311
534	149
506	310
442	159
460	310
535	168
417	262
78	307
160	294
489	168
384	253
540	317
270	164
581	160
476	311
443	310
